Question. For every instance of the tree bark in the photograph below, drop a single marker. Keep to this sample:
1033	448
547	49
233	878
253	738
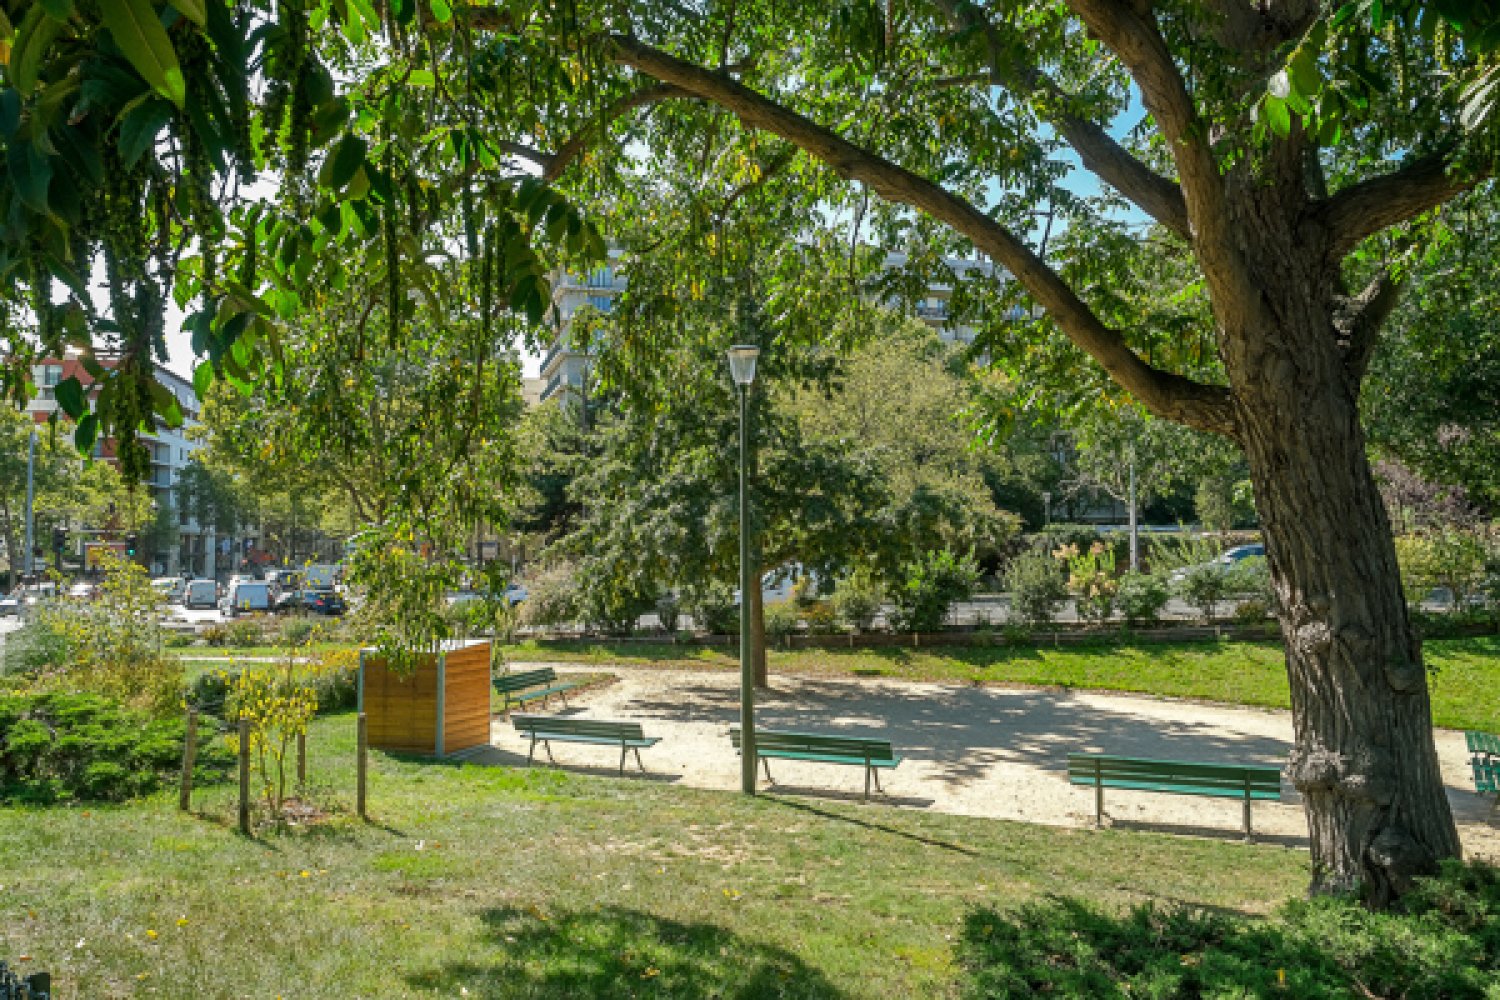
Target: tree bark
1364	759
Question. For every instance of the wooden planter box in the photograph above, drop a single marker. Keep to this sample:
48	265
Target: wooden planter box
441	709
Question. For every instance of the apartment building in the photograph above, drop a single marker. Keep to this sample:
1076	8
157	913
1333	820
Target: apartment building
196	547
565	367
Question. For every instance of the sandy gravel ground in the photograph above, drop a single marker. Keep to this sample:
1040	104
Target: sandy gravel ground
979	751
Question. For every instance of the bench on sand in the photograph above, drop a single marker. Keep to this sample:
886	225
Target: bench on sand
521	686
1485	760
1230	781
547	729
859	751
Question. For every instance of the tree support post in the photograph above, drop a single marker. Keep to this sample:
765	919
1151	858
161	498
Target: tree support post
361	767
245	777
189	758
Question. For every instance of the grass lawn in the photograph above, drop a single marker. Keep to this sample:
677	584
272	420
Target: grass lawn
514	883
1239	673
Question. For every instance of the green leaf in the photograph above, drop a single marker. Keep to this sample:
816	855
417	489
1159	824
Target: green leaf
1277	116
203	378
421	78
441	11
86	433
347	157
58	10
138	31
71	397
33	38
30	174
194	10
1305	75
140	127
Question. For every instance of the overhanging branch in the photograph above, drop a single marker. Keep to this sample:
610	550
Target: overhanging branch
1364	209
1156	195
1166	394
1361	321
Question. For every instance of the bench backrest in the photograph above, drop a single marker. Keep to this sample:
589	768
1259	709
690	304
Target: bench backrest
569	726
863	747
520	680
1262	782
1486	776
1486	743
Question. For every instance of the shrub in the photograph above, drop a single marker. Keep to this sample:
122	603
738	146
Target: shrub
278	702
856	600
1091	578
243	633
668	610
1141	596
57	746
297	631
1036	586
932	585
215	635
1205	587
40	643
1250	612
1250	578
820	618
1445	944
713	608
551	598
782	619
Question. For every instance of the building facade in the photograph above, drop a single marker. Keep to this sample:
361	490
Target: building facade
190	547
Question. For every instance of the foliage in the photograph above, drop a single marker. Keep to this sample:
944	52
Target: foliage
1204	586
1037	586
334	677
713	608
1091	578
244	633
1250	578
668	608
857	598
1444	944
112	644
782	619
551	597
278	702
1251	611
932	585
1448	558
1141	597
57	746
820	617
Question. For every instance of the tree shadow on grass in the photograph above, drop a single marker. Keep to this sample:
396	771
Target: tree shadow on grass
617	952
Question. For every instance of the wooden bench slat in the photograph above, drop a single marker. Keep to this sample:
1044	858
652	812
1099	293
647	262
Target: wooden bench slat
822	748
1250	782
1481	742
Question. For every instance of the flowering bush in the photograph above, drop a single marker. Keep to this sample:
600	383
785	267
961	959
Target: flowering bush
1091	578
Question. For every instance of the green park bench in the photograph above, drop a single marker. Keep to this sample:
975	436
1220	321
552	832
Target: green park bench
858	751
547	729
1485	761
1229	781
1483	744
522	686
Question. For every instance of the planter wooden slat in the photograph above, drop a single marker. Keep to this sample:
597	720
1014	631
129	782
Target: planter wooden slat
441	709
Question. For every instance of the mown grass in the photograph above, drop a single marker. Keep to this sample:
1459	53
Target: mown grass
515	883
1466	672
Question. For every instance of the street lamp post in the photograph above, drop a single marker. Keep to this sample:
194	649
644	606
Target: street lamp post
742	360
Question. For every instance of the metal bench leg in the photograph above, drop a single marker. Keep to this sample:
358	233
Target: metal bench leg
877	781
532	752
1248	837
638	760
868	771
623	751
1098	796
766	763
547	744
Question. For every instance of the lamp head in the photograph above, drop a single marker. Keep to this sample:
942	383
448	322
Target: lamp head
742	359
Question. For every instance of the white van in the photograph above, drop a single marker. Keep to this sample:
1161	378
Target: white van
247	595
200	594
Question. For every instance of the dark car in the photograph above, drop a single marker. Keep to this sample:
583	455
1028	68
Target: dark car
323	602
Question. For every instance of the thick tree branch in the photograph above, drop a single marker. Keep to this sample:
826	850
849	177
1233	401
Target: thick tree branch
1169	395
1364	209
1156	195
580	140
1127	29
1361	319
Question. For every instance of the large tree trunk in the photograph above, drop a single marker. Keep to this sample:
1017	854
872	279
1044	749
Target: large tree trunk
1364	758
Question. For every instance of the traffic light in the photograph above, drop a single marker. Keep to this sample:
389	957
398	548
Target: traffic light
59	539
131	542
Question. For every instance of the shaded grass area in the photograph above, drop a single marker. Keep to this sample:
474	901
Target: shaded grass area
1465	679
515	883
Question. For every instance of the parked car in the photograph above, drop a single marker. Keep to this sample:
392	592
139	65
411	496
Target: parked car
200	594
1227	561
83	591
10	604
323	602
246	595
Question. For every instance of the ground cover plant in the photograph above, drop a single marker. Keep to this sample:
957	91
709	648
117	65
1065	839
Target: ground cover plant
540	883
1444	944
1466	671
